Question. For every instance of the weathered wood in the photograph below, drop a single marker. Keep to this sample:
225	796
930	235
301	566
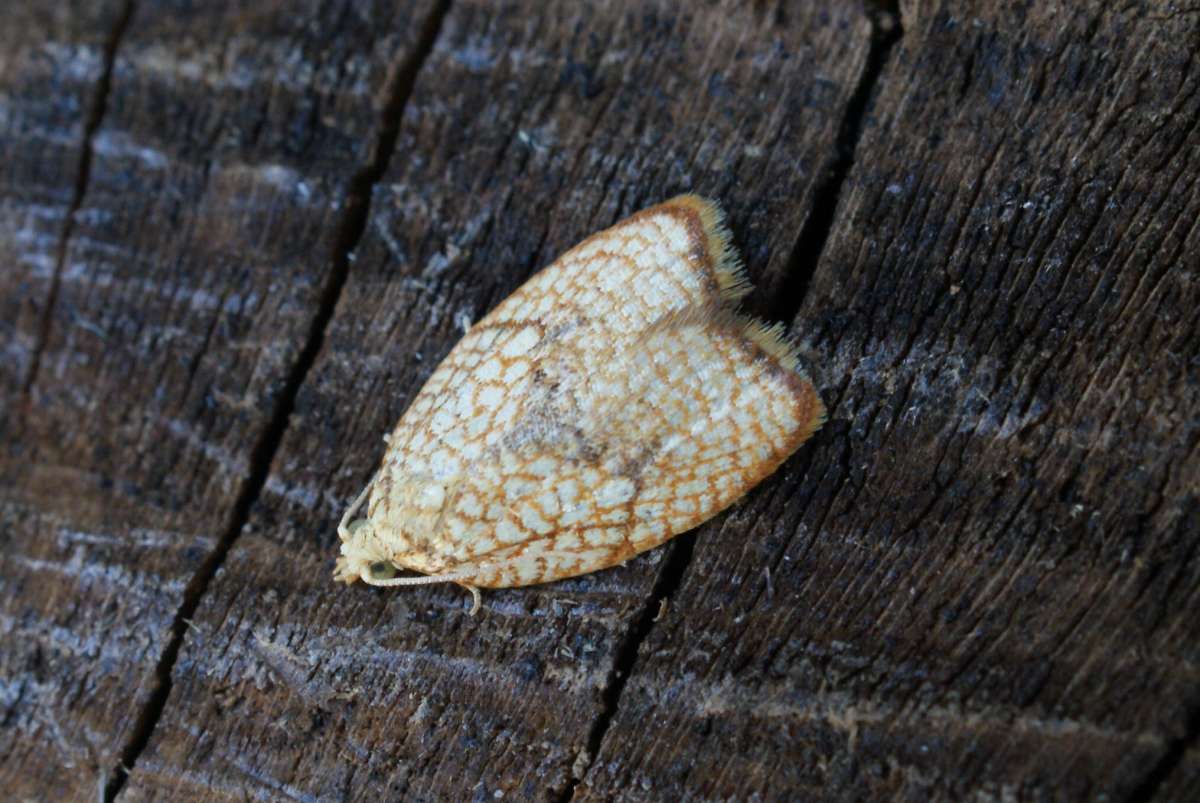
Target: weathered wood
1177	782
976	583
189	282
981	581
52	61
529	128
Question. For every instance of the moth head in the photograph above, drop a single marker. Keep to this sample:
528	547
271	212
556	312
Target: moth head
396	532
363	557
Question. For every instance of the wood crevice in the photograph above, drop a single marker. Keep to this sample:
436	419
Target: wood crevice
810	243
670	577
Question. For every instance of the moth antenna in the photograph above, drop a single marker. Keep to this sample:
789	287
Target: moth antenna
344	524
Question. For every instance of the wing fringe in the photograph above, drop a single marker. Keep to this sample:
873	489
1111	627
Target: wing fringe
770	340
727	265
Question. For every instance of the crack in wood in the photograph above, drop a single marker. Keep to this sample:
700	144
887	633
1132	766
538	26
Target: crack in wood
669	579
814	233
91	125
353	223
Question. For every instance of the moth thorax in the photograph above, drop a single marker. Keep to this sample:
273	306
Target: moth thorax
408	514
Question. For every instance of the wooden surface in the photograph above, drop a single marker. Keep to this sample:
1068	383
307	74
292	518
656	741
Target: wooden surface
237	236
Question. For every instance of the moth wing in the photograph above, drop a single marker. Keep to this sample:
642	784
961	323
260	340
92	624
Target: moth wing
690	416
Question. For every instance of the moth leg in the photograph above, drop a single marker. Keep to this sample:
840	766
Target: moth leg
476	599
344	524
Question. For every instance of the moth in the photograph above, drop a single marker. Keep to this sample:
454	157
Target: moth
614	400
